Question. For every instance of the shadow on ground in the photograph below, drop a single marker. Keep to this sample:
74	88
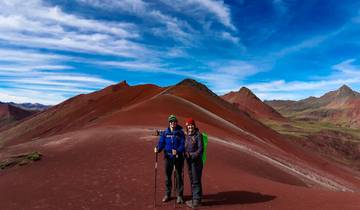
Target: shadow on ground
235	197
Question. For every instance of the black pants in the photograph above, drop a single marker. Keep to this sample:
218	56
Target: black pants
195	172
179	166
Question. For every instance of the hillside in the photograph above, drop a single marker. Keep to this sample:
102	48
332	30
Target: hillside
98	152
246	100
9	115
328	125
340	107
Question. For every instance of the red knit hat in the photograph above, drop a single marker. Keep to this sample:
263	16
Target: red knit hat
190	121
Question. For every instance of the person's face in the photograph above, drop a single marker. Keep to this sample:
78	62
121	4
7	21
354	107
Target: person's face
191	128
172	124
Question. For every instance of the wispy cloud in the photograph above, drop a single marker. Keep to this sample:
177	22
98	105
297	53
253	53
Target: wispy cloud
165	25
343	73
132	6
201	10
308	43
293	86
33	24
19	95
27	56
228	75
228	36
29	72
347	69
219	9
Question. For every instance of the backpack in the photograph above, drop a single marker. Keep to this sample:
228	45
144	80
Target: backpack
205	143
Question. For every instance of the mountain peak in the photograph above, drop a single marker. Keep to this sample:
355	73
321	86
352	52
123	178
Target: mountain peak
190	82
193	83
246	92
123	83
246	100
345	91
120	85
345	88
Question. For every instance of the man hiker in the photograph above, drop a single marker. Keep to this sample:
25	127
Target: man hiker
193	154
172	142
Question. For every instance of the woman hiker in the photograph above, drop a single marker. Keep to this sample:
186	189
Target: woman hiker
172	142
193	155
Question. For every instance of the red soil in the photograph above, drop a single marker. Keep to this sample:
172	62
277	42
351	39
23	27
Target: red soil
98	153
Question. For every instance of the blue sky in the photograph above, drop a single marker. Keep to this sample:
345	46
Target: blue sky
51	50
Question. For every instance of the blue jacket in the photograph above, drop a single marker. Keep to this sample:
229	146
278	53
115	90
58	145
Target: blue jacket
172	140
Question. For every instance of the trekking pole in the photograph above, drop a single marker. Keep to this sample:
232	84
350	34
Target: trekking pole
156	161
191	187
175	181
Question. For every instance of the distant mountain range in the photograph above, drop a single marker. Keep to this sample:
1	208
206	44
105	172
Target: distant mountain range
340	107
12	112
30	106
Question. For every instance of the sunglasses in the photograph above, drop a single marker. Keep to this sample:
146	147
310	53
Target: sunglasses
172	121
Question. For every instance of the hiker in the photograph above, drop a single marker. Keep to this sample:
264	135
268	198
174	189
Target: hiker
193	155
172	142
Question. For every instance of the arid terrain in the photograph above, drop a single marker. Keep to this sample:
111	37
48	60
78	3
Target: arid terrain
97	153
328	125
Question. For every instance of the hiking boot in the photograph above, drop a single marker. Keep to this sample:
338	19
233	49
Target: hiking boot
193	203
179	200
166	198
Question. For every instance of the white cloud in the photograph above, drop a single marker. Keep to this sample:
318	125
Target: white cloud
170	27
347	69
344	73
284	86
33	24
201	9
227	75
132	6
15	69
19	95
134	65
308	43
176	28
219	9
30	71
12	55
228	36
34	15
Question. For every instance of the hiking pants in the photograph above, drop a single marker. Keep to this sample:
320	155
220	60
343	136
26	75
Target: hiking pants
195	167
179	166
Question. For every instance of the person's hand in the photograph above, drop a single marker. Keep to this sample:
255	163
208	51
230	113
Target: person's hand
155	150
174	152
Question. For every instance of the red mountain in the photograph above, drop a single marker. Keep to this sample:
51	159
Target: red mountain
10	114
246	100
98	153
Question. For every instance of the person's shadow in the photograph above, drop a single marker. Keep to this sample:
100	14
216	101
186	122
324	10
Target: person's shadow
235	197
